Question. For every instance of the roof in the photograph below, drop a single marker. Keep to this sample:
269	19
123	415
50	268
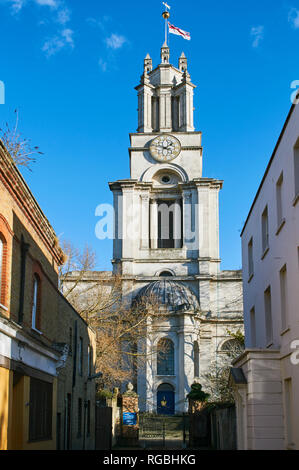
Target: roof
175	296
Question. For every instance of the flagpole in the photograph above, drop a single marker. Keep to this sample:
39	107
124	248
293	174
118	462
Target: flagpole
166	16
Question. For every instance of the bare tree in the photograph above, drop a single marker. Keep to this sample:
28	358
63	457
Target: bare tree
217	379
120	325
21	150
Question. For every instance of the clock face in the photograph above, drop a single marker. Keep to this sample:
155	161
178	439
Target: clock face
165	148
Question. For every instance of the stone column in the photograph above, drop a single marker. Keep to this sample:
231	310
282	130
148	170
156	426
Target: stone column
180	370
145	107
177	219
147	111
144	221
187	220
130	417
154	224
203	220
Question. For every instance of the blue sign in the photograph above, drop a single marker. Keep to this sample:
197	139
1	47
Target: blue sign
130	419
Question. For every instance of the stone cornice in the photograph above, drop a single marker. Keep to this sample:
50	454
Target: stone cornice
155	134
146	149
147	185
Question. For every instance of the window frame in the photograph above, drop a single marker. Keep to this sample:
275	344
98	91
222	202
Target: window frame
268	317
253	328
36	303
166	359
283	280
250	260
265	231
80	356
3	271
296	172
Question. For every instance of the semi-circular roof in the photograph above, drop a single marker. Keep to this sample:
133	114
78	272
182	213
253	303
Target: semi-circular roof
173	295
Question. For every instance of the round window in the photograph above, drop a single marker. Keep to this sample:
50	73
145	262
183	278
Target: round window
165	179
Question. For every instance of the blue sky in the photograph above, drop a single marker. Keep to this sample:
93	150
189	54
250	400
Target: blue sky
70	67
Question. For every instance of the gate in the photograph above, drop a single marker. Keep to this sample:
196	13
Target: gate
103	428
156	431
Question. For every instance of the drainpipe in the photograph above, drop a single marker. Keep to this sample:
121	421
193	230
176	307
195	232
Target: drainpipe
24	250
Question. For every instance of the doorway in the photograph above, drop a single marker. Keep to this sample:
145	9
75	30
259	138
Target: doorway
165	400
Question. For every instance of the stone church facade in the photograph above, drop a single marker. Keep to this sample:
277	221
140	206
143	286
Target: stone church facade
167	240
166	243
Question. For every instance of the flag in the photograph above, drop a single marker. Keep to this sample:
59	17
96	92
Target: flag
179	32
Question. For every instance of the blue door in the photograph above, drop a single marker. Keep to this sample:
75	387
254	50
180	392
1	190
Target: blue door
165	402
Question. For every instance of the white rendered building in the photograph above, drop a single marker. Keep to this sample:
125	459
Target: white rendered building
167	239
267	374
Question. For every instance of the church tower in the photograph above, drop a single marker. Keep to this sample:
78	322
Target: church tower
167	236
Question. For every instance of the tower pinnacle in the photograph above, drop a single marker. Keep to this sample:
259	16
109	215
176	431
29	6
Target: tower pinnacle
165	54
148	64
182	63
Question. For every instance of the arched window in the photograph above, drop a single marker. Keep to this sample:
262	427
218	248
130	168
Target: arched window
1	260
196	359
36	302
232	346
3	248
165	274
165	357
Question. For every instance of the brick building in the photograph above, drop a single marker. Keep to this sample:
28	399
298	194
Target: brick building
47	351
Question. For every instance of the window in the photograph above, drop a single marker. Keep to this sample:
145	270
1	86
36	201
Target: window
279	201
289	411
155	113
3	247
165	274
265	230
80	356
283	298
268	316
1	259
250	259
169	224
253	328
79	417
89	360
40	410
196	359
165	357
88	418
296	168
36	303
71	342
232	346
175	112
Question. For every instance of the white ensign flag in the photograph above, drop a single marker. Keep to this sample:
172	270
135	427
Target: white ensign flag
179	32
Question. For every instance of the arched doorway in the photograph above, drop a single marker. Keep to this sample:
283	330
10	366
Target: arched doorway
165	400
